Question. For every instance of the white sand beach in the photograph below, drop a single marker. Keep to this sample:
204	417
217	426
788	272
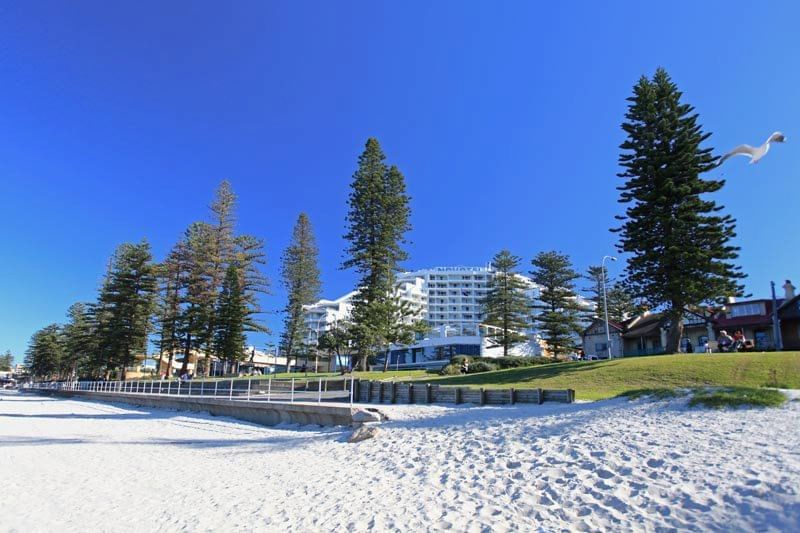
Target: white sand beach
615	465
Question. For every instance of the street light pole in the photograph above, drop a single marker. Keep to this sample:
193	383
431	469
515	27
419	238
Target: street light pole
605	302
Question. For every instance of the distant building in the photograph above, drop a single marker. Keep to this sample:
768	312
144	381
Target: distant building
595	341
646	334
450	300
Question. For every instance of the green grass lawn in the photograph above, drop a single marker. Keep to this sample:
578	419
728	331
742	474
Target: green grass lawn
595	380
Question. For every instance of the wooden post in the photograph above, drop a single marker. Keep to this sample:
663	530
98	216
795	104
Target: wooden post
540	396
428	395
571	398
483	396
380	392
458	395
511	398
369	392
410	393
394	392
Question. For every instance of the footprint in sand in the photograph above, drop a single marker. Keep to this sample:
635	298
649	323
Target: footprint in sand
655	463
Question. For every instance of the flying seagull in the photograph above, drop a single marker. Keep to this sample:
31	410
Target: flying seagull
755	154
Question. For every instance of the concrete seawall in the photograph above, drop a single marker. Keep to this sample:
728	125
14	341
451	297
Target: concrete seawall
267	414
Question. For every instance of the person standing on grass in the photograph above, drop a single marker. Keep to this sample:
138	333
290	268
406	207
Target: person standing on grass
689	347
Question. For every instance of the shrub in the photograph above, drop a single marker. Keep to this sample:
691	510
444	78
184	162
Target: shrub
451	370
518	362
480	366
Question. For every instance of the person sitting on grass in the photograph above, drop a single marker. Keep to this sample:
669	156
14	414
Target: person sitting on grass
724	341
738	341
465	367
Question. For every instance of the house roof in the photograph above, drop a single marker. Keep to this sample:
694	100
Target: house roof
646	325
611	324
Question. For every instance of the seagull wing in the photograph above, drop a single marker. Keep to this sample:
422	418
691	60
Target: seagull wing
742	149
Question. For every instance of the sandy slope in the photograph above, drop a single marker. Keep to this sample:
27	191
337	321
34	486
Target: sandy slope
77	466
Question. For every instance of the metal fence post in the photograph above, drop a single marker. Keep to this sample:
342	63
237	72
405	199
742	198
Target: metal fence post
230	392
159	386
190	388
269	389
292	395
169	386
352	382
202	383
248	388
215	388
319	390
179	387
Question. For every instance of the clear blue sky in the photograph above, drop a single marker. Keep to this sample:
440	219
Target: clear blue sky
118	121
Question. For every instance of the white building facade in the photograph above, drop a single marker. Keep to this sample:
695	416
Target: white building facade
450	300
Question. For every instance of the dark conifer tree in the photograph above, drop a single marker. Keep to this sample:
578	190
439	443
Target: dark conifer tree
45	352
229	334
677	239
558	311
127	302
506	307
80	341
377	222
300	272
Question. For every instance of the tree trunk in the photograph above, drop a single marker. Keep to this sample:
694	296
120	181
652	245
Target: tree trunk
675	331
186	352
386	361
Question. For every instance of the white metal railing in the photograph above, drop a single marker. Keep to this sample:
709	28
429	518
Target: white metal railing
267	390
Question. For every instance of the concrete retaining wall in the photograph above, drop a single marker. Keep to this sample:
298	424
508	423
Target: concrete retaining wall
396	392
267	414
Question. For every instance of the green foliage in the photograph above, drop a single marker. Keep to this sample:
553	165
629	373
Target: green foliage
45	352
377	221
80	342
6	361
300	272
230	318
506	307
621	303
676	238
125	305
336	341
453	369
480	366
738	397
559	314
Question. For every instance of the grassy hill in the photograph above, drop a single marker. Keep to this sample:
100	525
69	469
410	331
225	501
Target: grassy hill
594	380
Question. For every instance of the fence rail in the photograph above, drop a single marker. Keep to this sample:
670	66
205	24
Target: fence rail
263	390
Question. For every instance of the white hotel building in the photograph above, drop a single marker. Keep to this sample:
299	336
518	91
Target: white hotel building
449	299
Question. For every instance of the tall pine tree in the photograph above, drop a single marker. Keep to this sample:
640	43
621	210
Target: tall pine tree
558	312
377	221
127	301
621	304
506	306
300	272
45	352
677	240
230	318
80	341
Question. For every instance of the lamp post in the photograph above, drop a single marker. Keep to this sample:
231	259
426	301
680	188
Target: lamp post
605	301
